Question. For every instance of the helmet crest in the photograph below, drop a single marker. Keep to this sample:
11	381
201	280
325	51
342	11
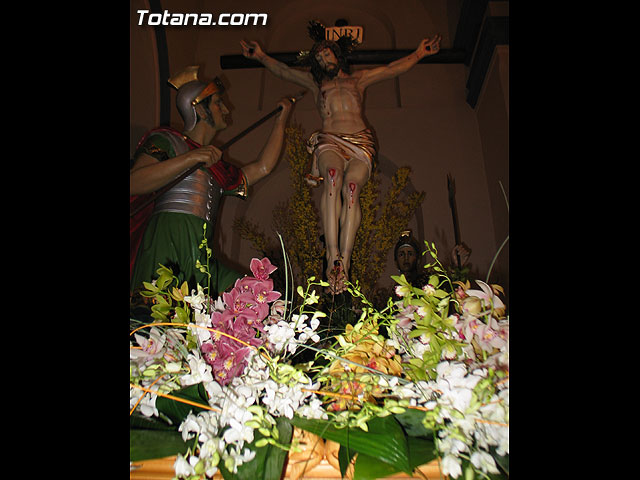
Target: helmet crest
191	91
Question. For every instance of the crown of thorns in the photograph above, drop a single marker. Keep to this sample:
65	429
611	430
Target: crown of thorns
317	31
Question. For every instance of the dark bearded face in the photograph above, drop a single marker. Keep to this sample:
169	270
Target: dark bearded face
326	61
332	70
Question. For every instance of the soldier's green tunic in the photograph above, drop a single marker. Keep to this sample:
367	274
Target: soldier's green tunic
173	238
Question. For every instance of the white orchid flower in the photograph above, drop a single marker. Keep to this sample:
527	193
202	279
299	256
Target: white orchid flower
197	301
484	461
451	466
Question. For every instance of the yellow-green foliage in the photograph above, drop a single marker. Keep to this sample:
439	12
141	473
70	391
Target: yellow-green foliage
251	231
380	227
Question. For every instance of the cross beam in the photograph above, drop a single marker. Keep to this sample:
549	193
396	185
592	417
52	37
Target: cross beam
359	57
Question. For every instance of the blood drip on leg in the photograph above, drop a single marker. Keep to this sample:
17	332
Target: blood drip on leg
352	189
332	176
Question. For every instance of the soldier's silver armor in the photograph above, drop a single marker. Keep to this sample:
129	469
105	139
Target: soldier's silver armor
198	194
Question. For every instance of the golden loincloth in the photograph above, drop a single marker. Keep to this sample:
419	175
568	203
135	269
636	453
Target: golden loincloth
360	146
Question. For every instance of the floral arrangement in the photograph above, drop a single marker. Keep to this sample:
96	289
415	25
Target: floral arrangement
216	381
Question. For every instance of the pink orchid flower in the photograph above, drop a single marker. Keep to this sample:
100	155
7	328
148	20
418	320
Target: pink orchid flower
209	352
261	269
231	300
227	355
278	309
152	347
241	302
222	321
230	366
230	360
470	327
257	294
245	284
487	296
488	338
244	328
264	293
247	305
406	319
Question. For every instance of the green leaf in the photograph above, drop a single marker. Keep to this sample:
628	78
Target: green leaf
151	287
182	315
159	316
178	411
164	270
148	444
161	308
345	454
370	468
385	439
418	291
421	451
501	461
411	421
269	460
140	422
416	332
164	280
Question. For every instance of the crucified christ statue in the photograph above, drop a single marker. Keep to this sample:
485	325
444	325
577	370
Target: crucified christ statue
344	149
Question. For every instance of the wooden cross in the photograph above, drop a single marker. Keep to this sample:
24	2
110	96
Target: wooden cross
358	57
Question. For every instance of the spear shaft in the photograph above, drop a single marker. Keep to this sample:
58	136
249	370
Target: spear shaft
451	187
